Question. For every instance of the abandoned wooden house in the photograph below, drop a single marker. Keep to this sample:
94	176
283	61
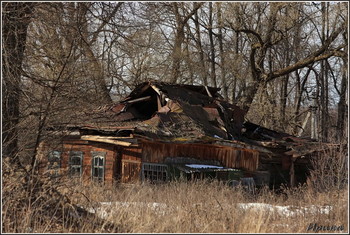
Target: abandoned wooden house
162	132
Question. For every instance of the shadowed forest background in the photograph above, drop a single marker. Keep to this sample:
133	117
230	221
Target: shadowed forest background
270	58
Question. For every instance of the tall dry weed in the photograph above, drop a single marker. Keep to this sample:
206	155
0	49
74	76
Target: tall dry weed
38	204
175	207
330	170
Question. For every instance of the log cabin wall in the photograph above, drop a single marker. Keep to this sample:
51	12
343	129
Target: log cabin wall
42	157
87	149
122	164
156	152
130	164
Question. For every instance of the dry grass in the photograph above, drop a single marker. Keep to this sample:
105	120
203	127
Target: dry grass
175	207
210	207
198	207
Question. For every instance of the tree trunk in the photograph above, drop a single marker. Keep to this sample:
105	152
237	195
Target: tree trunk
222	55
324	125
202	67
177	51
342	103
181	21
212	48
96	67
16	19
234	86
189	55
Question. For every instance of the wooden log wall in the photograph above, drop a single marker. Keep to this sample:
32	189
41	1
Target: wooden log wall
121	163
131	165
87	148
87	158
228	156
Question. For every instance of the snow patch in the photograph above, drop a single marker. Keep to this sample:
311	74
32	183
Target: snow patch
286	211
203	166
106	210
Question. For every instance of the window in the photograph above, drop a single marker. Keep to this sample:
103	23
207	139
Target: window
76	163
54	163
98	166
154	172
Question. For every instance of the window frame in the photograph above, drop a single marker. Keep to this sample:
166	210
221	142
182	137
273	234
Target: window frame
73	154
94	155
52	158
154	172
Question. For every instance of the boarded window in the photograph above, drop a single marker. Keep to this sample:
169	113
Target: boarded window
54	163
154	172
75	163
98	166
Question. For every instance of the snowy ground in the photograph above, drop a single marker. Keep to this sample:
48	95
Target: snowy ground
106	209
285	210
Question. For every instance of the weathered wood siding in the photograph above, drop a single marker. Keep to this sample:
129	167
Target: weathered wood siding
131	165
121	163
110	170
227	156
42	156
110	158
124	163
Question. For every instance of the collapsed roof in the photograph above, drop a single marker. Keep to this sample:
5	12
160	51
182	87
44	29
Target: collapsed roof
180	112
165	112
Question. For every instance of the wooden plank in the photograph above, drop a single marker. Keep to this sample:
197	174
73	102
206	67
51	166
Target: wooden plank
156	89
123	138
138	100
105	140
159	103
131	161
292	174
208	92
131	172
304	124
65	132
113	137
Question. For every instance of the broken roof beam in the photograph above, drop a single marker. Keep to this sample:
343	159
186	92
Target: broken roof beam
106	139
109	137
156	89
209	94
161	98
242	145
146	98
64	132
139	90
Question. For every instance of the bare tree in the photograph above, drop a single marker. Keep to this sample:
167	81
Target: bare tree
272	36
181	20
221	50
16	18
201	67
